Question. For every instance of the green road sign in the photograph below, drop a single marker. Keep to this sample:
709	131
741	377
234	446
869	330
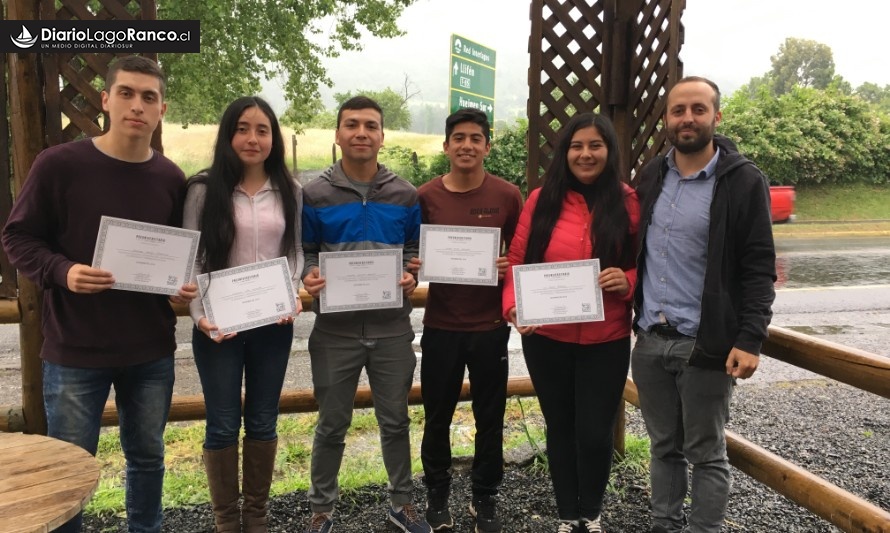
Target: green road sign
472	69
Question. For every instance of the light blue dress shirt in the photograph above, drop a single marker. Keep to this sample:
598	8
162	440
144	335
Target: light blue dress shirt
676	249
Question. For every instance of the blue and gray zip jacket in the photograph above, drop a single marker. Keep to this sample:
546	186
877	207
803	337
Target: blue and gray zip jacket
336	218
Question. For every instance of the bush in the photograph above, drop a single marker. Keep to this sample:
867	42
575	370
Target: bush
507	159
810	136
406	163
509	155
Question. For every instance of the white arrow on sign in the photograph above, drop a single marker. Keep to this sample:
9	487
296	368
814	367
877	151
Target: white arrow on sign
456	69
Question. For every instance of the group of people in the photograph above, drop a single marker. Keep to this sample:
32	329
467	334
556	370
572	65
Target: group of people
687	263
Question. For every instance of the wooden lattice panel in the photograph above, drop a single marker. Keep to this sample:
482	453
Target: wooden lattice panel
77	95
655	40
610	56
568	38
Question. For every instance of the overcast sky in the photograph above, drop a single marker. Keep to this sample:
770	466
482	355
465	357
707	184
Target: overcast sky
728	41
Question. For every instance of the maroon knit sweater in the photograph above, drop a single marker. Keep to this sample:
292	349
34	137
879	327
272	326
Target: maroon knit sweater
54	224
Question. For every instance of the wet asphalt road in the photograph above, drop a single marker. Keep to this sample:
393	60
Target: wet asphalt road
834	289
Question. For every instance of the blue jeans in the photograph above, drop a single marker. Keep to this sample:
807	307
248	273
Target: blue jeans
257	356
74	399
685	409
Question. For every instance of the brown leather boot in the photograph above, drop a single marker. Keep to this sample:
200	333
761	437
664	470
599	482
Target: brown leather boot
222	480
259	462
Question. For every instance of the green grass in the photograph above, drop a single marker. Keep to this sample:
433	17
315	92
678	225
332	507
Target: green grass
185	483
843	202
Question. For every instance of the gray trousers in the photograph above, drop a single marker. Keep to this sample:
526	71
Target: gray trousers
685	409
337	363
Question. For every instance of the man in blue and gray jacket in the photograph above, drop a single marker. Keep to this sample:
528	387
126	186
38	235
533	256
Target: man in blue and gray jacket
358	204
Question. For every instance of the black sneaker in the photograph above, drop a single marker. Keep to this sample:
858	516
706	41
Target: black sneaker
484	510
438	516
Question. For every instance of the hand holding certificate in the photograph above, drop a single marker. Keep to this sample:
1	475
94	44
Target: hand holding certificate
248	296
360	280
145	257
558	293
463	255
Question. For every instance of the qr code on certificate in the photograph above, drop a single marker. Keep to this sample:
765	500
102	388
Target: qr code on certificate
387	295
585	307
279	307
172	280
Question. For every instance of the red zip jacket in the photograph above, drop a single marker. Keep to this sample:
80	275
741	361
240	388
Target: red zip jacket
570	241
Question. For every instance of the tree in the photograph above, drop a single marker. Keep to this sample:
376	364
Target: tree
875	95
244	41
802	63
396	115
302	112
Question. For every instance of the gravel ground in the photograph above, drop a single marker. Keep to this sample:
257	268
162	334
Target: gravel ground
833	430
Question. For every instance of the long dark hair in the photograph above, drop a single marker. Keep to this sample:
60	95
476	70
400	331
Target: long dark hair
613	244
217	222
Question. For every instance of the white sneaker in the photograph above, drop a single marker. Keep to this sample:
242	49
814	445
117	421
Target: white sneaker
566	526
591	526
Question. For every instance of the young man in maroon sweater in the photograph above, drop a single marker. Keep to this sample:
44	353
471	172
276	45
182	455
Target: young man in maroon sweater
94	337
463	327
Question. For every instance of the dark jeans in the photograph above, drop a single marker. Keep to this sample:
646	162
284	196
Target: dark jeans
257	356
579	387
445	356
74	399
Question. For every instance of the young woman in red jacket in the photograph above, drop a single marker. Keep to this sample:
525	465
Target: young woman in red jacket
582	211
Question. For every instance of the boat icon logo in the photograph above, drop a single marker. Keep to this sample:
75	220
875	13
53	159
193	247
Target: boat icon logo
25	39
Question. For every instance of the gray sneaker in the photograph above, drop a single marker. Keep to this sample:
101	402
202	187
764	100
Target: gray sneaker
408	520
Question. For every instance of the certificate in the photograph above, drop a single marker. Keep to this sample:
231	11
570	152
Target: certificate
558	293
360	280
463	255
248	296
145	257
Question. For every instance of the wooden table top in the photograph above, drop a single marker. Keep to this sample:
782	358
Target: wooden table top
44	482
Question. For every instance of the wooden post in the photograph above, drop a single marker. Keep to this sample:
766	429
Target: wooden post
294	153
28	119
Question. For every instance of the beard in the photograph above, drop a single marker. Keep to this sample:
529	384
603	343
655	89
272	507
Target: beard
691	145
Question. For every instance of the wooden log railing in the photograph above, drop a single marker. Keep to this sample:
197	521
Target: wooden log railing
860	369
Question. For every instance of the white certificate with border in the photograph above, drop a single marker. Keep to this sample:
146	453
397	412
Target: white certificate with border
248	296
360	280
463	255
145	257
558	293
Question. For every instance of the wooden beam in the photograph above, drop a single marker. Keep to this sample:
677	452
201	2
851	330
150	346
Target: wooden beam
191	407
858	368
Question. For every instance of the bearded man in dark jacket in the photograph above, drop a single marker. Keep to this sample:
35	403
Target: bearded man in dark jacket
706	267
